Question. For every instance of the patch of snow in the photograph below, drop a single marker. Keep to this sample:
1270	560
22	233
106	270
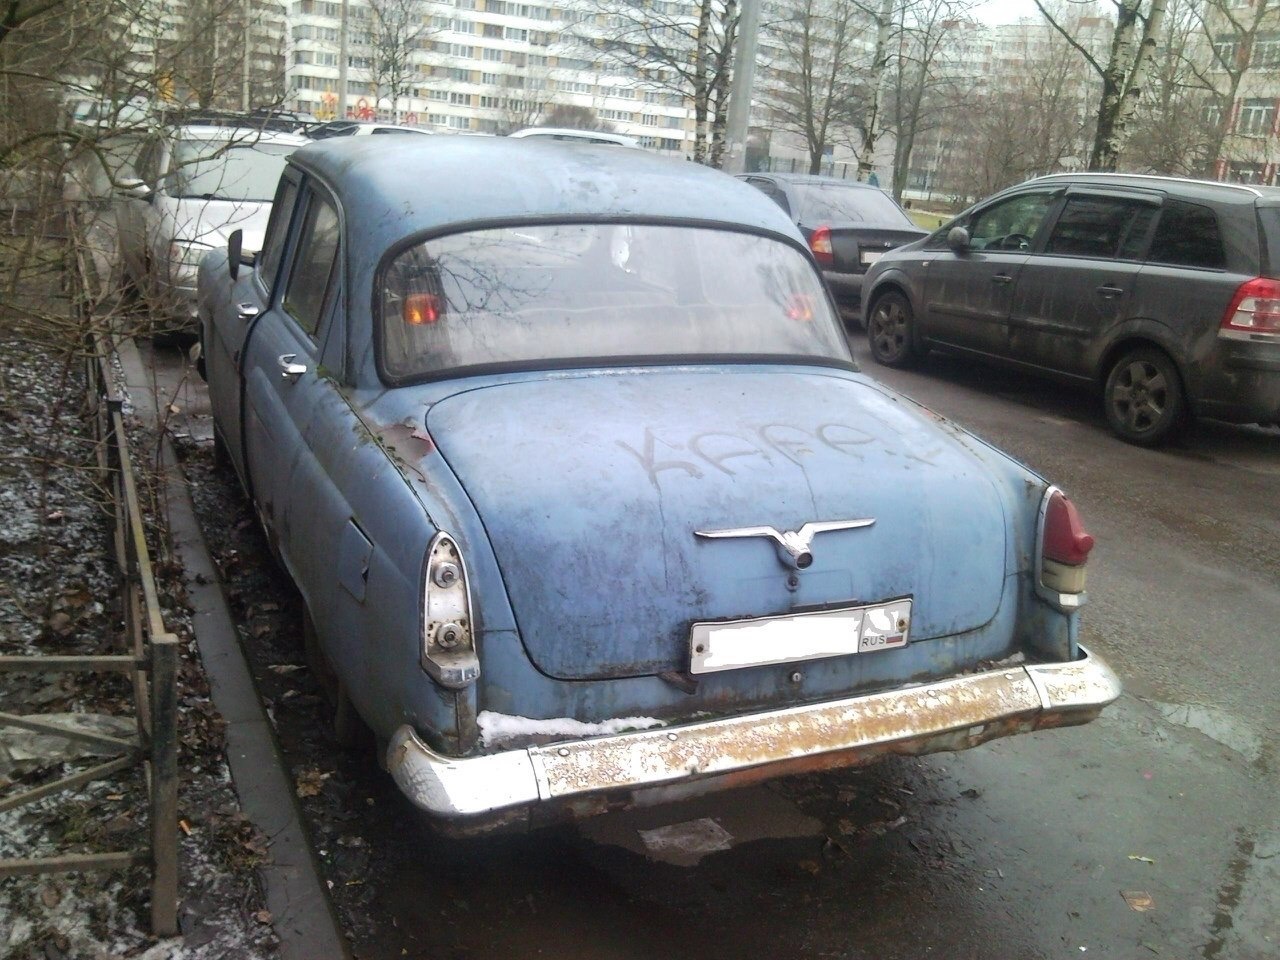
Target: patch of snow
497	728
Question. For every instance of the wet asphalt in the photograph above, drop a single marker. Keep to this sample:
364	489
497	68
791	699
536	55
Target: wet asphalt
1153	832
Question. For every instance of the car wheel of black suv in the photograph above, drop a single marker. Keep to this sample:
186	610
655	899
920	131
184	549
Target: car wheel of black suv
1144	397
890	328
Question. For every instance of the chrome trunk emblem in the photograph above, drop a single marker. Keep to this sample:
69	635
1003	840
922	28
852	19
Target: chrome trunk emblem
793	545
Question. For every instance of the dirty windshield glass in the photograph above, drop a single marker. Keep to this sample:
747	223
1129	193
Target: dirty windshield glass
216	170
564	292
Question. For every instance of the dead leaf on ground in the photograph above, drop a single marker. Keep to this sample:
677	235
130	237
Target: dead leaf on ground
810	866
1134	856
263	916
311	782
283	668
50	896
1138	900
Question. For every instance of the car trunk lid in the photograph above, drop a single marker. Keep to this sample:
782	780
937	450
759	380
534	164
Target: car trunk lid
591	488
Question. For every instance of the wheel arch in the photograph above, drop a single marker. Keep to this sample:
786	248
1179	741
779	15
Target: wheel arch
1133	339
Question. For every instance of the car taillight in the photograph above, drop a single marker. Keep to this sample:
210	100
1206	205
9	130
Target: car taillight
1064	545
1254	309
448	638
820	244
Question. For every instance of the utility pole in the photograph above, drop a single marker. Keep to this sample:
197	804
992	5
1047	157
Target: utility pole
248	46
744	76
342	63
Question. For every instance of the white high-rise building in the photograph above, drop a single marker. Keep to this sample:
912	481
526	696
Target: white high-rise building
479	66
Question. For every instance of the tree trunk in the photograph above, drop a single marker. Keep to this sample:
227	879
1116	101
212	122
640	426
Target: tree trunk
879	64
1124	80
701	88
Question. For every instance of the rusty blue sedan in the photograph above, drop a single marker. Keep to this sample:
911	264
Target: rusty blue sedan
590	506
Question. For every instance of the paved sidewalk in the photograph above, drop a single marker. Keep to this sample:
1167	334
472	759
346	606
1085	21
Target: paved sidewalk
302	914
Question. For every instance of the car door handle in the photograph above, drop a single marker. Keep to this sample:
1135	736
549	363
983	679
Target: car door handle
247	311
1001	278
288	369
1109	291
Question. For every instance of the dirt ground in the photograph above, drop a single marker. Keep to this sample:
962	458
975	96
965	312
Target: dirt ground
58	595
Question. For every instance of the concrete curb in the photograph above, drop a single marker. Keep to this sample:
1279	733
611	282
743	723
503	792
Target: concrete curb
302	914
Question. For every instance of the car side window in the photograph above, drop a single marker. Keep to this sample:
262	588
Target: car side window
1188	236
277	231
313	262
1011	224
1106	227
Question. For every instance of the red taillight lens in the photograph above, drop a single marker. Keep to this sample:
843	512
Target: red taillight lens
421	309
1255	308
820	244
1065	539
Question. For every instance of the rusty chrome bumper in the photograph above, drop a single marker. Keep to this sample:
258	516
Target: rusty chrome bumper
592	775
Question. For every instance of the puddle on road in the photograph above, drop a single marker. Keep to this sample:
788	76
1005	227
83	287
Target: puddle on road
1216	725
683	833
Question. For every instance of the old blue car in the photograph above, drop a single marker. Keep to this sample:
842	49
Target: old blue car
588	503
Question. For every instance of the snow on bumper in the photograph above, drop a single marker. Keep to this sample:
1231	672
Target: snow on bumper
947	715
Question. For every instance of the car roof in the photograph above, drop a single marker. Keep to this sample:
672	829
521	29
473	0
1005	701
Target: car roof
812	178
389	180
1186	186
250	135
572	133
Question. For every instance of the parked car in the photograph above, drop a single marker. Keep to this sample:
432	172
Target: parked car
598	137
357	128
1156	291
194	185
587	501
848	225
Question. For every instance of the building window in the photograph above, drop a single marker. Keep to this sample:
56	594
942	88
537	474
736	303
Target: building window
1256	117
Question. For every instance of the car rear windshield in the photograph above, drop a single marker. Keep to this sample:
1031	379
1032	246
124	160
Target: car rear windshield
837	204
525	295
218	170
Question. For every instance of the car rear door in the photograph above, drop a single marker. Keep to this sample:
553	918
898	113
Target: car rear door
1081	282
968	294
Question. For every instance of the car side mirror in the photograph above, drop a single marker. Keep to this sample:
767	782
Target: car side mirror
235	243
135	188
958	239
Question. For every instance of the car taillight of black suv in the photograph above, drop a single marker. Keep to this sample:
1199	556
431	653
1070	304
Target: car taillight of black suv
1161	292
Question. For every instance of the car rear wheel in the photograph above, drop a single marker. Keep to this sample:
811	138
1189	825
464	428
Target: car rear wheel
1143	396
891	330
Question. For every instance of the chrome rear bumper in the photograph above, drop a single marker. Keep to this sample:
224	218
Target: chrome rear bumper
583	777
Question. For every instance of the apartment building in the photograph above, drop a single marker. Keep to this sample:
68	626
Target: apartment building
480	66
1250	148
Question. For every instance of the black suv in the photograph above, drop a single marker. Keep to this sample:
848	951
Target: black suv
1160	291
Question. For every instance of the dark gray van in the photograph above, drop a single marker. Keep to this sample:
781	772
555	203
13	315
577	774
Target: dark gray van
1164	293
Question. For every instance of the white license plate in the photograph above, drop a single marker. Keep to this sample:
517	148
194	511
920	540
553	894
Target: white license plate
871	256
731	644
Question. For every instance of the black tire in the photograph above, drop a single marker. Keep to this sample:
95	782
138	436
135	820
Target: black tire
891	330
1144	398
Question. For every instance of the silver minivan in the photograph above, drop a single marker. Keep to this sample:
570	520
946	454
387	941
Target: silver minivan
194	186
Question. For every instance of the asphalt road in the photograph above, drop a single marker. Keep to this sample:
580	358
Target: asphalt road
1154	832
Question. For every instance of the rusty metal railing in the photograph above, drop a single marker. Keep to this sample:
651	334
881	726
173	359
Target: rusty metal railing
150	659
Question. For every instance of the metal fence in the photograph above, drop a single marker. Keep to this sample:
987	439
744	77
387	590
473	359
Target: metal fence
150	659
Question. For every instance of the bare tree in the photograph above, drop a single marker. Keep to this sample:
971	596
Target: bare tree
1031	115
1123	75
923	92
572	116
691	56
814	84
1178	128
397	30
1230	35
